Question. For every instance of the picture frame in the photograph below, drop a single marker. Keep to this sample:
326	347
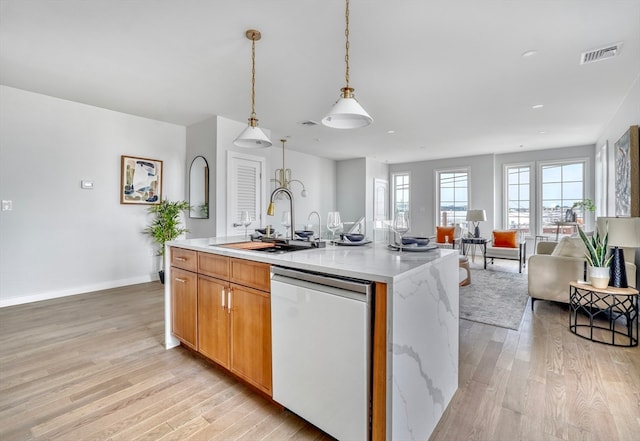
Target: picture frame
140	180
627	174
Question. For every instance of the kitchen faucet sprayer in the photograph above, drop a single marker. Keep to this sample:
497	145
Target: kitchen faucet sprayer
272	208
319	223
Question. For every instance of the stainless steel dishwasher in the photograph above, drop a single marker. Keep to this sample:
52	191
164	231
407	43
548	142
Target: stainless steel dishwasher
321	330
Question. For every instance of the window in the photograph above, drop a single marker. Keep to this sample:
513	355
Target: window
562	184
400	193
453	197
518	194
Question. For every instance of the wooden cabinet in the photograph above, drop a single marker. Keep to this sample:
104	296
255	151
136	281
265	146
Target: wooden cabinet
184	259
213	319
184	304
250	330
224	312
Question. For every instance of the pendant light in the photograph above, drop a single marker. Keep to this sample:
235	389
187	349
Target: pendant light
347	113
253	136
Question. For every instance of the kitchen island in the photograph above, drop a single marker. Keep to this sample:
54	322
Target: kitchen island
415	324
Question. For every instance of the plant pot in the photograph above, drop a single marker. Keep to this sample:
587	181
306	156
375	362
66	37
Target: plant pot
161	276
599	276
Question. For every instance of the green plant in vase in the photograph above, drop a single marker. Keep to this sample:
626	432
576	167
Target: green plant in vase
165	225
597	257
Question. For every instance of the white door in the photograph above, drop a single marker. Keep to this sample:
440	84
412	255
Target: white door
244	191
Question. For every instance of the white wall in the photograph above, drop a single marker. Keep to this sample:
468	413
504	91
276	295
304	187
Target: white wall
628	114
485	183
201	141
319	178
351	190
423	189
60	239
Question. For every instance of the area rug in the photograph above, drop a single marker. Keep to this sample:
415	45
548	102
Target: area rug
495	298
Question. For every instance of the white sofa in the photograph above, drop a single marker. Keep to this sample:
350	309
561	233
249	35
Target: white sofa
557	264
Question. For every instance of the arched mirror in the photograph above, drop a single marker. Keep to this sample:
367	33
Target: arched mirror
199	188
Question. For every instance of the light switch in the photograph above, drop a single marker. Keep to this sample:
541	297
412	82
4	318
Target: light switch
87	185
7	205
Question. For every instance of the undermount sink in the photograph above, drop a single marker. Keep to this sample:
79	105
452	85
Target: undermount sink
270	247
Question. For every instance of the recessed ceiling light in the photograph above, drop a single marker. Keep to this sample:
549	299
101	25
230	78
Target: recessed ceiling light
537	106
529	53
391	132
542	132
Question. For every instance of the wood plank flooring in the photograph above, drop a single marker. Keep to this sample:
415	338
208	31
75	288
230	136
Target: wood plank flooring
93	367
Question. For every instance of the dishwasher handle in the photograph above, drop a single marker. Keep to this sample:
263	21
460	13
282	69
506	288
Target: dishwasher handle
344	283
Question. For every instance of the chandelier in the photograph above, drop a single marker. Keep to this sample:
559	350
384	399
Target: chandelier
283	176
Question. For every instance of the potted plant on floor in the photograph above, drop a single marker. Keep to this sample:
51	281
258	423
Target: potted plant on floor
597	258
165	225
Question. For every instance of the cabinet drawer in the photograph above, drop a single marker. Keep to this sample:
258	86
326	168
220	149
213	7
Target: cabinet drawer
252	274
185	259
213	265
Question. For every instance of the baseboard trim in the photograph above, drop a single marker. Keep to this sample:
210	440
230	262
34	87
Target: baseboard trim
13	301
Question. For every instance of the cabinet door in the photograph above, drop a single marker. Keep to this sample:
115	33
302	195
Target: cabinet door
213	319
249	273
251	336
184	298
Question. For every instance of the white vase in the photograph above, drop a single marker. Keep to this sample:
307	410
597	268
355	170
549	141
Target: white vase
599	276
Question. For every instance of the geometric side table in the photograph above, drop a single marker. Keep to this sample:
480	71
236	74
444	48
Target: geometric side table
601	310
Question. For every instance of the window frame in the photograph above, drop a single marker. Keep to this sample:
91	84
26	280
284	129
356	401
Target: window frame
438	172
586	186
533	221
394	191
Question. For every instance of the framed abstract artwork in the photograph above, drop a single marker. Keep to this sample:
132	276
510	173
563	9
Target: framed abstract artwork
140	180
627	174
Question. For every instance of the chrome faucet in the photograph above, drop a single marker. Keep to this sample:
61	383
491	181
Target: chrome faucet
319	223
272	208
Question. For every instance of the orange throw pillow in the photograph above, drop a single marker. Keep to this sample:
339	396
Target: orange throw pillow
506	239
442	232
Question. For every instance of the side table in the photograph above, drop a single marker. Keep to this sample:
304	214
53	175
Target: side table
474	241
591	308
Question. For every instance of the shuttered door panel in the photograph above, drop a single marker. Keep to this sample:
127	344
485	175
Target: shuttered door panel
245	191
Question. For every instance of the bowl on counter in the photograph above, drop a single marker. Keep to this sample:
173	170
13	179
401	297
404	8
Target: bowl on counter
304	233
419	241
352	237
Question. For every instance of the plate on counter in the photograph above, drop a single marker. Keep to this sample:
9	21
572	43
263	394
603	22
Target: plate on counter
417	248
351	244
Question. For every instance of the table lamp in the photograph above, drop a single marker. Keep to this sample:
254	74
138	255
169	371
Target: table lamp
476	216
623	232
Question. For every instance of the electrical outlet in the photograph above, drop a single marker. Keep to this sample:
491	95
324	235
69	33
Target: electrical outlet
7	205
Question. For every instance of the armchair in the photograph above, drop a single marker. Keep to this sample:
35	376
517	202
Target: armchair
557	264
508	245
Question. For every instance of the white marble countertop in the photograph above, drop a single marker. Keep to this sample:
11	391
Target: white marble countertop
371	261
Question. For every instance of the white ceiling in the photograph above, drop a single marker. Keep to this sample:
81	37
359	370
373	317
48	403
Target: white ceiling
448	76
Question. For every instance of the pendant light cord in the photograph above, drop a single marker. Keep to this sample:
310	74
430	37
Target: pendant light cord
253	77
346	46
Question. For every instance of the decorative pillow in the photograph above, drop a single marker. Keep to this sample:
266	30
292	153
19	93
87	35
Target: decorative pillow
442	232
505	239
569	247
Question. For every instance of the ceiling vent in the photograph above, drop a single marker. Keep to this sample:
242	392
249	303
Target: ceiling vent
308	123
600	54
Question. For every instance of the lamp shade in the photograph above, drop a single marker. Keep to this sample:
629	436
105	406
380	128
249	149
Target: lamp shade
251	138
623	231
347	113
476	215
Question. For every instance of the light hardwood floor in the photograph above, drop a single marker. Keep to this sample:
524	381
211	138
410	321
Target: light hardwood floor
93	367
